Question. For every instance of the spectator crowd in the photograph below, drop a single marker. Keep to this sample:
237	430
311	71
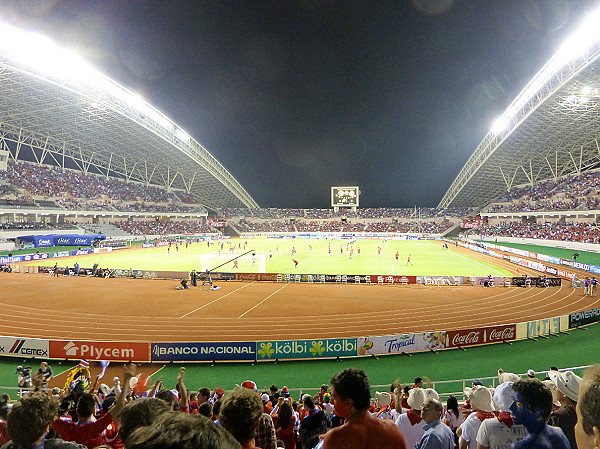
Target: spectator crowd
562	411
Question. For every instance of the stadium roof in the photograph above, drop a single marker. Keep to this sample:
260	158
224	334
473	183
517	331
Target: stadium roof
550	130
64	110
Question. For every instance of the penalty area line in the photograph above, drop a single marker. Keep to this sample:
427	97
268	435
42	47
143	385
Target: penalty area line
215	300
254	307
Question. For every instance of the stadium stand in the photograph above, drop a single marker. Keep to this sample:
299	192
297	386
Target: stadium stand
254	417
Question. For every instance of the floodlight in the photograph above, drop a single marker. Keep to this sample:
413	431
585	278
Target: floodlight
182	135
500	125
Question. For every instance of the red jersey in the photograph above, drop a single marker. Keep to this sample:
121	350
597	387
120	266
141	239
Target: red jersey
89	434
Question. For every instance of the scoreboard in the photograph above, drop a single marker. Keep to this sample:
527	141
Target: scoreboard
344	196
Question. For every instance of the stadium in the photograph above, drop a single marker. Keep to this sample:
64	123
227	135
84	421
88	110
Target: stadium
122	238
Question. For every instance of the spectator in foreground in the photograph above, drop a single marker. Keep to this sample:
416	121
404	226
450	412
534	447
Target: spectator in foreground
88	430
531	407
410	423
437	434
176	430
482	406
352	396
240	414
566	388
501	431
314	424
139	413
587	430
29	420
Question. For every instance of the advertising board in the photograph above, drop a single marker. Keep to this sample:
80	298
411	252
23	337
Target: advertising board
582	318
396	344
203	352
99	350
24	347
470	337
306	349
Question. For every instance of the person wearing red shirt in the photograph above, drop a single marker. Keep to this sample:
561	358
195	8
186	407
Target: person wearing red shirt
88	430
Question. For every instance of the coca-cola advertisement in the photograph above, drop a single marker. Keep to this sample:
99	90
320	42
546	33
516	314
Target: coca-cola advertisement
470	337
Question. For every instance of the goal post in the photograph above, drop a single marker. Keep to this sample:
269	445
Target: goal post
247	263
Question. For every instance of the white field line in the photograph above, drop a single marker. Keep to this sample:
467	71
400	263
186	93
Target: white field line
254	307
218	299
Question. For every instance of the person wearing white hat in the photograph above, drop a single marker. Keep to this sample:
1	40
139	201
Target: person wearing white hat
501	431
410	423
566	388
383	404
482	406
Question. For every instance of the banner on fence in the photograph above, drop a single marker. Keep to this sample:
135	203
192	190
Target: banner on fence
396	344
491	334
99	350
306	349
203	352
24	347
535	328
583	318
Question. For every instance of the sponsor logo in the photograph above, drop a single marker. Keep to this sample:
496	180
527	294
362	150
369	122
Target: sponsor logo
19	346
99	350
507	333
203	351
80	240
44	242
471	338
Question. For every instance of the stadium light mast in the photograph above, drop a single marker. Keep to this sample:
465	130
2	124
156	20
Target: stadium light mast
488	171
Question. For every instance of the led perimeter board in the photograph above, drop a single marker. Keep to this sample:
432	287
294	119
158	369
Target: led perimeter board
344	196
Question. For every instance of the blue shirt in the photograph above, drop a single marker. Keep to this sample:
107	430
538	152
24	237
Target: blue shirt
437	436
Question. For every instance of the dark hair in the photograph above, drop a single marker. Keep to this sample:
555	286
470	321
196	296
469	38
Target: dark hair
167	396
589	401
175	430
204	392
240	413
352	383
537	395
108	402
418	380
205	409
28	418
284	415
139	413
452	404
86	406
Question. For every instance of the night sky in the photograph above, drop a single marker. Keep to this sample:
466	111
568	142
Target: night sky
294	97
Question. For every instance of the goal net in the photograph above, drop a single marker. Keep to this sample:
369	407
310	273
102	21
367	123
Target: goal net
226	262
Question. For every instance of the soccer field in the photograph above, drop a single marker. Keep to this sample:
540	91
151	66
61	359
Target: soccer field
313	256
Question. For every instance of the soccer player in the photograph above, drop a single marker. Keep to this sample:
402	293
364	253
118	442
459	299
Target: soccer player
397	255
235	264
408	261
379	251
270	254
295	262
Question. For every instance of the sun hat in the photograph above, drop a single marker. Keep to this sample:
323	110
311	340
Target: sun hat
567	382
480	397
503	396
265	397
508	377
383	399
416	398
432	394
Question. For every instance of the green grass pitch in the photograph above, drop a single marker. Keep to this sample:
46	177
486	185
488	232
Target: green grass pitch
427	257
